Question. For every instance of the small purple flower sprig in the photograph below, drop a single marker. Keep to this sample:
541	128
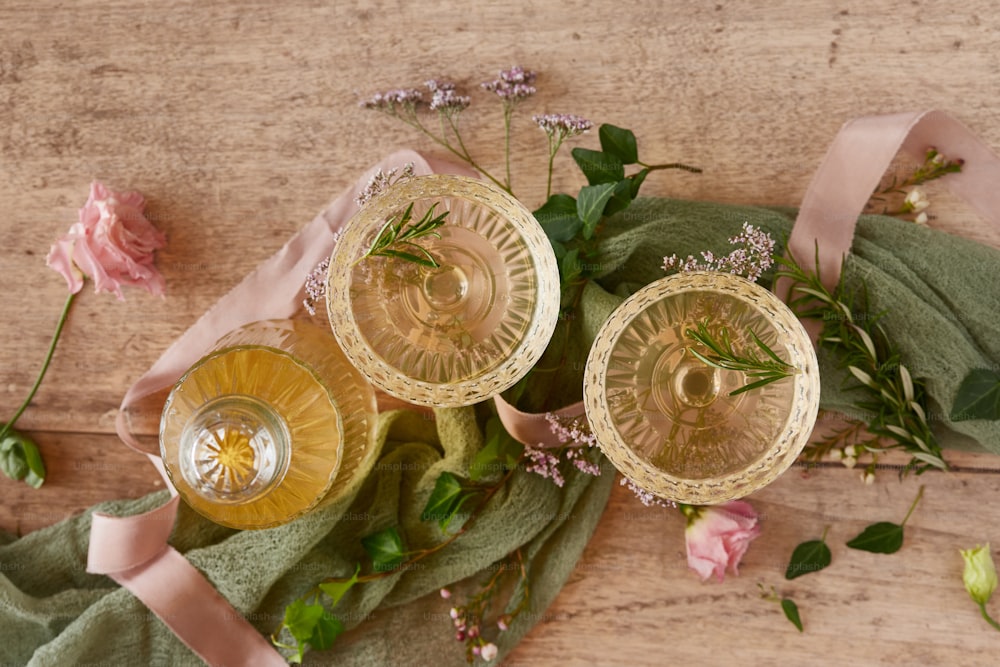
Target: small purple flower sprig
511	87
752	257
470	619
578	447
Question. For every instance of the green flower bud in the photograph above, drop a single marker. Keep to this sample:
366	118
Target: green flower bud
980	576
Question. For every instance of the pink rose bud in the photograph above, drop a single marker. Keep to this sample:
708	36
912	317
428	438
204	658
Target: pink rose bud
717	537
445	593
488	652
112	244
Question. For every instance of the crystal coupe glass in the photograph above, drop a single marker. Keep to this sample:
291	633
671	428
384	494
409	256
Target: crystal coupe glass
272	423
459	332
671	423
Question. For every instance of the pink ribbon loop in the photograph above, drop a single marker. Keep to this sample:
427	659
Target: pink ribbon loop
855	163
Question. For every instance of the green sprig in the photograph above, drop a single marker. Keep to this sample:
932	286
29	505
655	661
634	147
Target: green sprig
397	237
723	355
895	399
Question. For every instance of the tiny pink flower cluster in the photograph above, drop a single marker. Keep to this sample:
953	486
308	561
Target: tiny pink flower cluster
467	630
562	125
512	85
575	440
390	99
645	497
753	257
444	98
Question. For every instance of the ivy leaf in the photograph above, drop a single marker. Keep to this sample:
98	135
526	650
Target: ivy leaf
791	612
978	396
590	205
619	142
883	537
444	500
558	218
385	548
336	589
621	197
811	556
501	451
599	167
327	629
637	179
301	620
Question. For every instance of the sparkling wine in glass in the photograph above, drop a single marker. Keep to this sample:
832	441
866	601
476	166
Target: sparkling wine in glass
456	329
682	428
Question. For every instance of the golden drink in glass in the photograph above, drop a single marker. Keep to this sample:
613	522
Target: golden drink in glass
270	424
458	333
668	421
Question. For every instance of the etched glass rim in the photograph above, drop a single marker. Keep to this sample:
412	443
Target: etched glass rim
762	471
388	378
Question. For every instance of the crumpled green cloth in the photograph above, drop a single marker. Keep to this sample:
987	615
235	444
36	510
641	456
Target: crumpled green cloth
941	299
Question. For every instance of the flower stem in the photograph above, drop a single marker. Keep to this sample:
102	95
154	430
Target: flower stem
45	367
507	113
982	610
913	506
671	165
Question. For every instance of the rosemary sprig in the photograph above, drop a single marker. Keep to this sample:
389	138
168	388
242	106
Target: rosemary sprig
764	371
892	396
397	236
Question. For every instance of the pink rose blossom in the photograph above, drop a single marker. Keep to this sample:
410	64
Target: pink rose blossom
113	244
717	537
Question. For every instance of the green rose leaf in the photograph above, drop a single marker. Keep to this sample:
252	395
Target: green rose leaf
791	612
569	266
621	197
811	556
637	179
336	589
590	205
599	167
20	458
883	537
327	629
619	142
978	396
385	548
558	218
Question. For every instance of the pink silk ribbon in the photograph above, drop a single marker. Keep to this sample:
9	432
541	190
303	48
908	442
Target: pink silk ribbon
134	551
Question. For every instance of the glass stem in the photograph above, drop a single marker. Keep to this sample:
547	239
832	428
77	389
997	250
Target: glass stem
45	367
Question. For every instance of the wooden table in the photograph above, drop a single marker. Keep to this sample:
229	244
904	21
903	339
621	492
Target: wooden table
240	121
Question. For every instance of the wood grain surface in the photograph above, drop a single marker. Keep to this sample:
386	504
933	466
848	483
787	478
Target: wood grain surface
239	121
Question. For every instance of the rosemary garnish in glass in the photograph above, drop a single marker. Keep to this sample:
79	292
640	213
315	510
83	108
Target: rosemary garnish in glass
397	236
762	371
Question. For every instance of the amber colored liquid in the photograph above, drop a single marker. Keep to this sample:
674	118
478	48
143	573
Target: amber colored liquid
254	436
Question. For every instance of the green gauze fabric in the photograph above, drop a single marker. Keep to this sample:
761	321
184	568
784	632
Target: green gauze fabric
941	307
